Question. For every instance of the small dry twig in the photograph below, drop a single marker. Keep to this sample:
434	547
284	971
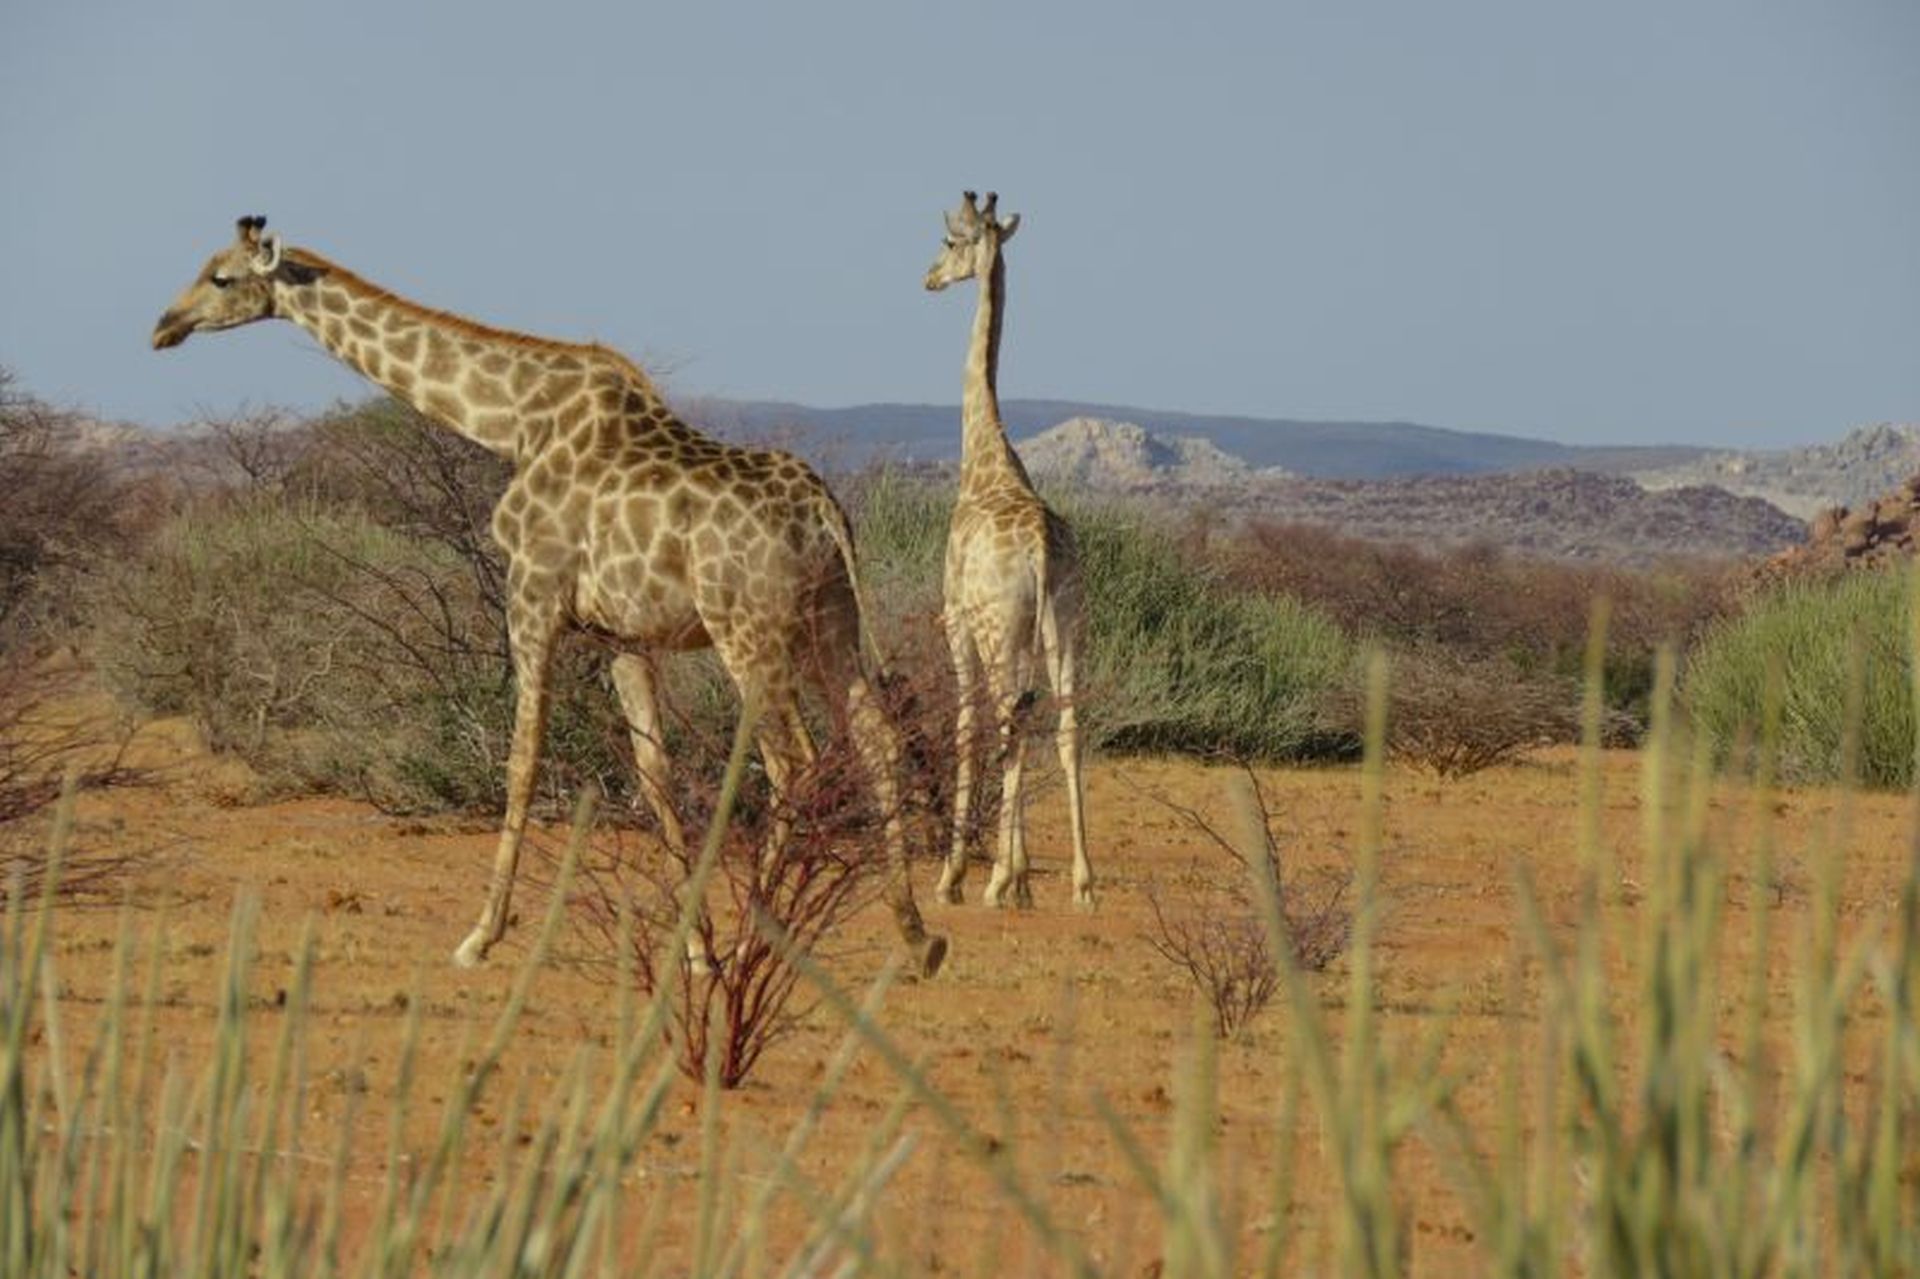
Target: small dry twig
1214	932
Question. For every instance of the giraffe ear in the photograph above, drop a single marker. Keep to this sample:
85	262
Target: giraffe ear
1008	227
270	260
266	258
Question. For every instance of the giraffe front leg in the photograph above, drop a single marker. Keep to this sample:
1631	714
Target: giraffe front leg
531	630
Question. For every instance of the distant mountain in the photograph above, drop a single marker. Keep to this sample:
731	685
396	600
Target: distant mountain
1561	511
1557	512
1334	450
1804	481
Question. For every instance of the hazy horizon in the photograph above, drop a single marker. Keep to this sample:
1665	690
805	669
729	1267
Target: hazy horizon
1642	223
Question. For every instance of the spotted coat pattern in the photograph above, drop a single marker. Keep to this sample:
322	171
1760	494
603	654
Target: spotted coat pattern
618	517
1013	594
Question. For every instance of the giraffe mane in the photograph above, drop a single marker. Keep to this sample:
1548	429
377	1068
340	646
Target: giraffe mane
472	328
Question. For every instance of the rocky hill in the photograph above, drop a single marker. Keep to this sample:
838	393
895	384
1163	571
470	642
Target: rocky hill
1875	534
1095	453
1561	513
1805	481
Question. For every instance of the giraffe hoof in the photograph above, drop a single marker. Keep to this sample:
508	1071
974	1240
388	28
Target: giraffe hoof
933	953
1083	899
948	892
472	952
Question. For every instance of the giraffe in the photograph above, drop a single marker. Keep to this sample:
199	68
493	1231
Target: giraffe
1012	590
620	518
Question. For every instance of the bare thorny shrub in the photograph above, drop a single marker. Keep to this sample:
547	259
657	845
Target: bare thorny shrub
329	604
1215	931
249	449
63	506
421	481
1514	617
1479	599
1455	715
758	913
47	744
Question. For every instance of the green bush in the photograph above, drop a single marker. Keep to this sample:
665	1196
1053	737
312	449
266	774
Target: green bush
1810	631
901	527
1180	661
1176	658
331	652
245	616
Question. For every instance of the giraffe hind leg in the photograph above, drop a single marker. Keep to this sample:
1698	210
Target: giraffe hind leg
966	679
877	740
842	676
787	751
636	681
1060	643
1010	859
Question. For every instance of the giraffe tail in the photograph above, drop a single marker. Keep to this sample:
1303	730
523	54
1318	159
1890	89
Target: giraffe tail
1040	602
842	530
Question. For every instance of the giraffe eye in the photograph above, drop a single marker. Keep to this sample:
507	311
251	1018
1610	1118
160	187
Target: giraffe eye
219	281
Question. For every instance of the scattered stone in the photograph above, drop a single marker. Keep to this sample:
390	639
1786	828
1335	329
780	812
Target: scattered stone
1872	535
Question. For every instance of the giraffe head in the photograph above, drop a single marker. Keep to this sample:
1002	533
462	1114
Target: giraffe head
234	287
972	243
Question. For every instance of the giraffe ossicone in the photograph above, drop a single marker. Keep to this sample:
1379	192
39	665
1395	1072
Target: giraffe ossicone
1013	596
620	517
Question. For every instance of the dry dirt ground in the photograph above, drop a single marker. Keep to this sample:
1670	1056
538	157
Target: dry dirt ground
1034	1013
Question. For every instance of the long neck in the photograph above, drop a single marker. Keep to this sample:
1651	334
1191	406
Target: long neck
983	436
486	384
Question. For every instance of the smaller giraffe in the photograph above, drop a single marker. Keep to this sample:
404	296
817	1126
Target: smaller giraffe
1013	588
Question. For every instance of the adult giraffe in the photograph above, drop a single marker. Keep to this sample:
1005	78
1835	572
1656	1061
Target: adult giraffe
619	517
1013	590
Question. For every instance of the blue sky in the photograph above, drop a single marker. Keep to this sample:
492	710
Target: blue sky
1633	221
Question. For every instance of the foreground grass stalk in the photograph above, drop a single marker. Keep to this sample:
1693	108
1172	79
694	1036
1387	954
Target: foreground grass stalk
1518	1195
787	1163
970	1140
1362	1114
1664	1138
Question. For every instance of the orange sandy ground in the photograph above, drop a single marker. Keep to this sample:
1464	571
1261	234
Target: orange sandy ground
1034	1012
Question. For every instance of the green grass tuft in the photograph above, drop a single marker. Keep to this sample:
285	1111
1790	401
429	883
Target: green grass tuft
1815	633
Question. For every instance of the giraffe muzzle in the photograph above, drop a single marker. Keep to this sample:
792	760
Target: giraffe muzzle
171	330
